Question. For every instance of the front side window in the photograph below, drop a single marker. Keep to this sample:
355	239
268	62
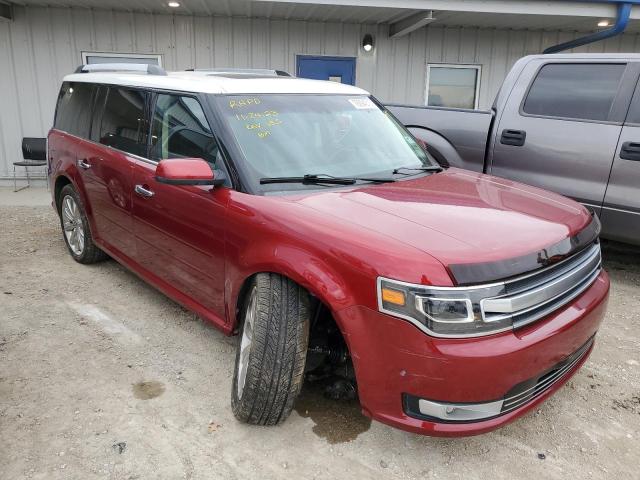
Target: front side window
73	112
453	86
123	124
181	130
338	135
574	90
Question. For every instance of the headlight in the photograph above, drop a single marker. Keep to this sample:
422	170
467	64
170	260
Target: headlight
442	311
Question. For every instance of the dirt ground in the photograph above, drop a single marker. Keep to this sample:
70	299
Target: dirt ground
101	376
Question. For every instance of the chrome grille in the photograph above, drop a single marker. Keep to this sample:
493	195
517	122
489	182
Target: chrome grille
524	393
531	297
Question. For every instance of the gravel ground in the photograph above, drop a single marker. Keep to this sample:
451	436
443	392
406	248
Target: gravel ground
101	376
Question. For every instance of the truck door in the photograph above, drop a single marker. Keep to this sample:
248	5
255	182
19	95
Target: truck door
560	131
621	207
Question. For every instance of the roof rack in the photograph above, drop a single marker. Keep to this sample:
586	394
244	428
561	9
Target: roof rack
121	67
262	72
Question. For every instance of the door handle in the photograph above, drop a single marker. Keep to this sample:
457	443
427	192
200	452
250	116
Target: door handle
83	164
630	151
143	192
515	138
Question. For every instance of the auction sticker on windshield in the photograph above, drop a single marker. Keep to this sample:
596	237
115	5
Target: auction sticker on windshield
362	103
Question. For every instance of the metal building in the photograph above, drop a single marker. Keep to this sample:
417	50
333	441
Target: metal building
449	53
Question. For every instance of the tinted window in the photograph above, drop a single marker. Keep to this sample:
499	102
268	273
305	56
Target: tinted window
180	130
634	110
73	112
98	108
581	91
123	123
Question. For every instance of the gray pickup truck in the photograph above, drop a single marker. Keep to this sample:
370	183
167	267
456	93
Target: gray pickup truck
569	123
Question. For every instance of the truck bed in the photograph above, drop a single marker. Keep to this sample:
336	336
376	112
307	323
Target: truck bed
465	131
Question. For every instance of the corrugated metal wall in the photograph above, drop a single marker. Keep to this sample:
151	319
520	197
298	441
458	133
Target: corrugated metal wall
43	44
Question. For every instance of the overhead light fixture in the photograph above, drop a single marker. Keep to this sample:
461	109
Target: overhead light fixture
367	42
174	4
603	23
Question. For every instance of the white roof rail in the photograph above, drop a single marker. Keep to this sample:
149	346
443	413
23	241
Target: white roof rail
240	72
121	67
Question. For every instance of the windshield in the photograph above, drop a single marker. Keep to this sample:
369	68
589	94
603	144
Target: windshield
337	135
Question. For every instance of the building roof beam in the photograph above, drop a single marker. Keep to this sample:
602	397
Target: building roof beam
523	7
409	24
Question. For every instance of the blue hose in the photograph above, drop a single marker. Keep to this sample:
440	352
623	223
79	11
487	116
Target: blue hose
624	11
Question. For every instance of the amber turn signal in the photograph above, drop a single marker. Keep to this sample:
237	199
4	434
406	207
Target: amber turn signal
393	296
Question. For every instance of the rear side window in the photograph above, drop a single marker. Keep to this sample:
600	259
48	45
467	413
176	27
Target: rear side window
633	116
123	124
578	91
180	130
73	112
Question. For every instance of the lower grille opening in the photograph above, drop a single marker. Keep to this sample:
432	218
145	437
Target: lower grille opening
519	395
527	391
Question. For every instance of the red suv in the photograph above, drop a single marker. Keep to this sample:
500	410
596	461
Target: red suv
301	215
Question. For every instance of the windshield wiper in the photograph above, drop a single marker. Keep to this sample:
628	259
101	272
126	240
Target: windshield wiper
429	168
317	179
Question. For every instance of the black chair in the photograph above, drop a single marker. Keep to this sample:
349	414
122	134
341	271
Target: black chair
34	153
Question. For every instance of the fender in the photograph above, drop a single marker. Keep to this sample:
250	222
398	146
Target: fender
72	175
307	269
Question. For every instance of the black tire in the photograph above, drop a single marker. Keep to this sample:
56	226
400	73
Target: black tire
90	253
277	352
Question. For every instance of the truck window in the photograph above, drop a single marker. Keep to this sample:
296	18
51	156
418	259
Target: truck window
633	116
123	124
575	91
180	130
73	111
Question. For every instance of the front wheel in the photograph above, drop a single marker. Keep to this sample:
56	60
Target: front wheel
272	350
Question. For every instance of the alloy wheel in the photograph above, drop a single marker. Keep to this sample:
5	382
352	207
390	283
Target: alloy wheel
246	341
72	224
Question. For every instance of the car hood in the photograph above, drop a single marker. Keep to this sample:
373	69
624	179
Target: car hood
456	216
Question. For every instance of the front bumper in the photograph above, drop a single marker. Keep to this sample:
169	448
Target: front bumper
397	365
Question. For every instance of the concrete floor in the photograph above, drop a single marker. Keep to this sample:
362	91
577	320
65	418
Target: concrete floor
101	376
29	197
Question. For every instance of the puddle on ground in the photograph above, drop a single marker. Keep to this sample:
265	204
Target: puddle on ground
337	421
148	390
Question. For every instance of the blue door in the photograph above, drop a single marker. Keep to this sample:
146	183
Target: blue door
337	69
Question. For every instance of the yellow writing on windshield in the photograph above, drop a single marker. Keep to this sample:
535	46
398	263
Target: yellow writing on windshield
258	121
254	115
244	102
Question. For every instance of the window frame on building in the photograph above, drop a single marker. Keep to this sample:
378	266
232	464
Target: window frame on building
469	66
117	57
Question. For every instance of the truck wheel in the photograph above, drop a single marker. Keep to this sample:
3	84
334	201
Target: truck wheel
272	350
75	228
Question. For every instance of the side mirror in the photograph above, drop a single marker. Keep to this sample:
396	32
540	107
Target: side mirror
187	171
